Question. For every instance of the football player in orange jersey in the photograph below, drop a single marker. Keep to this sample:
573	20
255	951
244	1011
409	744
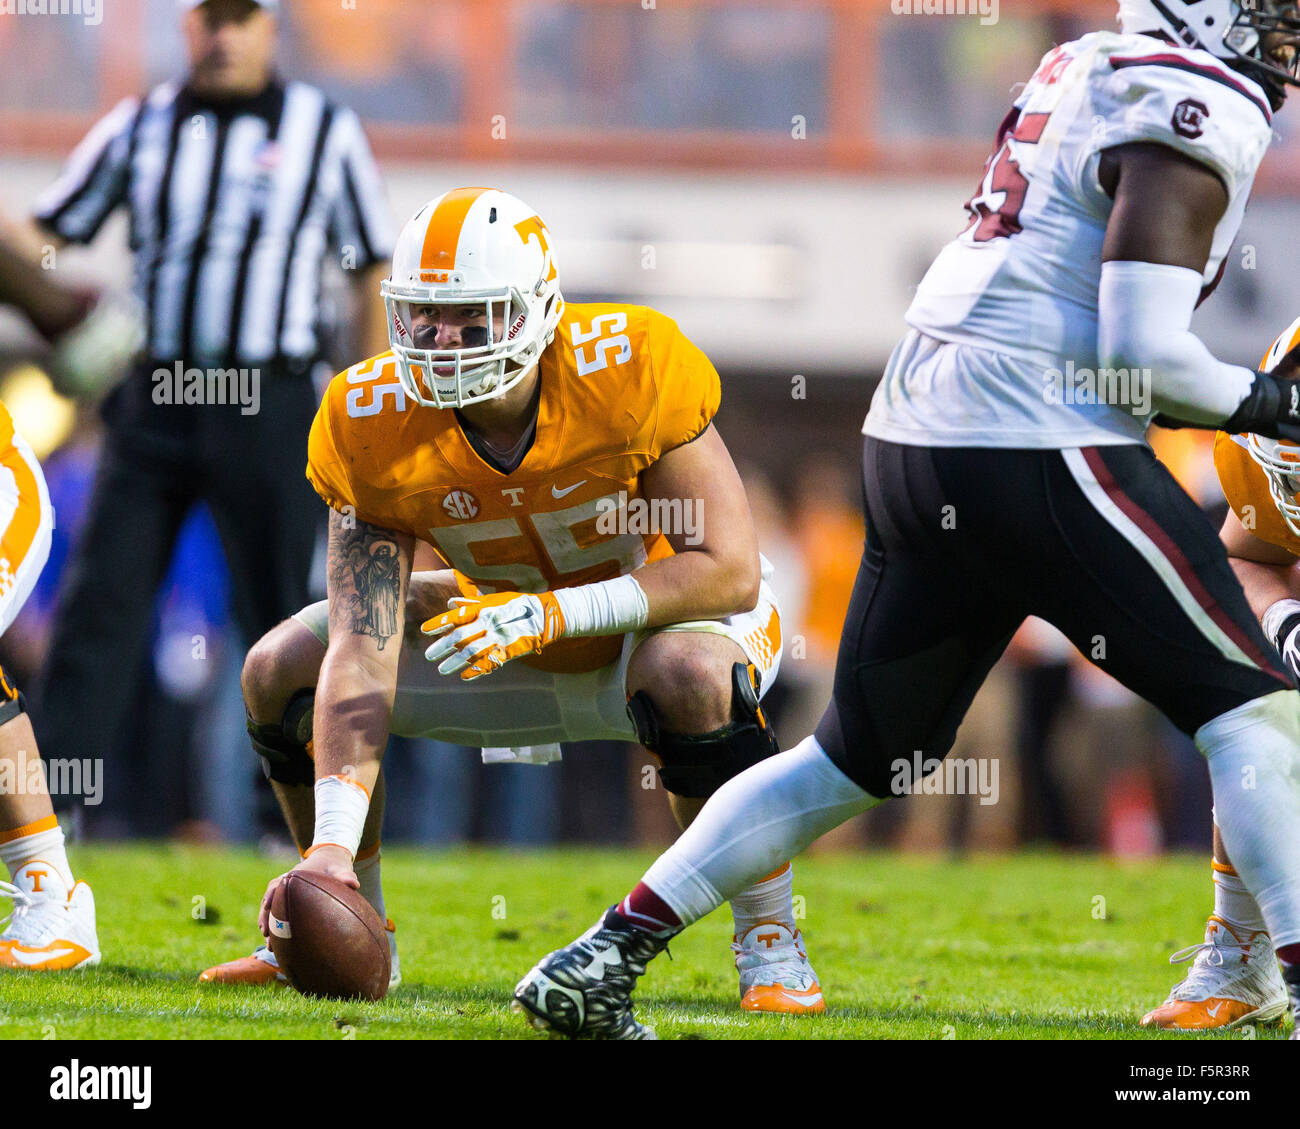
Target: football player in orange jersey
562	464
52	926
1234	977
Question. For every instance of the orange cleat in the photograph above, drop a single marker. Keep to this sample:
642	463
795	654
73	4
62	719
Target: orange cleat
257	969
779	999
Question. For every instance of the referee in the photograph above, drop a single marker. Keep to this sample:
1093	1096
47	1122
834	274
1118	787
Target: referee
237	186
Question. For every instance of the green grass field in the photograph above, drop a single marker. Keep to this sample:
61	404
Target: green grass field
906	947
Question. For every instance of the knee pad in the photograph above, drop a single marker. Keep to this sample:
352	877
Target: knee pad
283	745
696	765
12	702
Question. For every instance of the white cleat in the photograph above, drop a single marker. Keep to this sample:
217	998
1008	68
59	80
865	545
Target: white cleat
1234	979
52	928
775	975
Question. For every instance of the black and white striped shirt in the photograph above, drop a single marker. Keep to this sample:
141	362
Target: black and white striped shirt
232	207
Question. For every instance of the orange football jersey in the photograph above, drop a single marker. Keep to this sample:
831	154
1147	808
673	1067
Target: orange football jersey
1246	487
620	386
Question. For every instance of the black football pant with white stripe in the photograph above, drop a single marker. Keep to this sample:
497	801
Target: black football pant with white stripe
963	544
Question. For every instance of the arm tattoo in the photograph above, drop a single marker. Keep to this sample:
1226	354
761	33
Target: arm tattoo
365	578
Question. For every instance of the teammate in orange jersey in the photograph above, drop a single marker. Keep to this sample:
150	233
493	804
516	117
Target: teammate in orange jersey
1234	977
562	464
52	926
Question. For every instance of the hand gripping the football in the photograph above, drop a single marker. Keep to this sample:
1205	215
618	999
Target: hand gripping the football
328	859
480	634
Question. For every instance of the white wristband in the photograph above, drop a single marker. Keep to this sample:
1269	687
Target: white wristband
341	807
611	607
1276	615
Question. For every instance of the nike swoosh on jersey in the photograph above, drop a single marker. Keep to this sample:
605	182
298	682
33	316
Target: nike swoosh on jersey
557	493
23	957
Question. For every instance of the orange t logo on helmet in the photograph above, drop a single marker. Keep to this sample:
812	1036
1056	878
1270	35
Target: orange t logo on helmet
534	226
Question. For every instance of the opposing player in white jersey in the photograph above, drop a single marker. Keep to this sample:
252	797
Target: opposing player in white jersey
1006	475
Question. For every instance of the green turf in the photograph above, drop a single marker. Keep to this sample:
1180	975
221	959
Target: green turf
906	947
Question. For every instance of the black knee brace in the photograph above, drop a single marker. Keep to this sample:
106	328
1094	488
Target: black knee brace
282	745
10	708
695	765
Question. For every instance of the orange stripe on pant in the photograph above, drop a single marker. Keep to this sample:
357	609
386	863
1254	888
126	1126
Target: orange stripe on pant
21	531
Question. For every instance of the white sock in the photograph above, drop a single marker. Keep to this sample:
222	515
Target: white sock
1254	756
769	900
46	845
751	825
1233	902
367	872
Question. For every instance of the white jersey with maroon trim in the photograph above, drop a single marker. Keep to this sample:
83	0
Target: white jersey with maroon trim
1011	303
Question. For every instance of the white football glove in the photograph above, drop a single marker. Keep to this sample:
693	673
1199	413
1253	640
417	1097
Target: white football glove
480	634
93	356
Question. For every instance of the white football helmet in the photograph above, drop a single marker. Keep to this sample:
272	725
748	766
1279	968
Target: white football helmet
1231	30
473	247
1280	459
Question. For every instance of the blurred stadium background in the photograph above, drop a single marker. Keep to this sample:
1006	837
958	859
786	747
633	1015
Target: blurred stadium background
776	175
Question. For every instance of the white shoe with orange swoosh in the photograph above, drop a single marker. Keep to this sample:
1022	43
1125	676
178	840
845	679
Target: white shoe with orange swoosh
1234	979
775	975
52	928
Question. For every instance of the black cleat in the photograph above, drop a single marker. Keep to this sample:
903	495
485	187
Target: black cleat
584	990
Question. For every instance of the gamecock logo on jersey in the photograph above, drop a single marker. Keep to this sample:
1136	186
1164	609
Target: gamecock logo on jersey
1189	117
460	504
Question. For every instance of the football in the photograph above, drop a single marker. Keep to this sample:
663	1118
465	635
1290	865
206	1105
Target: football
328	939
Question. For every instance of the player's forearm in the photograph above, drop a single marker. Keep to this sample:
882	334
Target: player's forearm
1144	318
52	308
698	585
684	587
353	712
367	569
1266	584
